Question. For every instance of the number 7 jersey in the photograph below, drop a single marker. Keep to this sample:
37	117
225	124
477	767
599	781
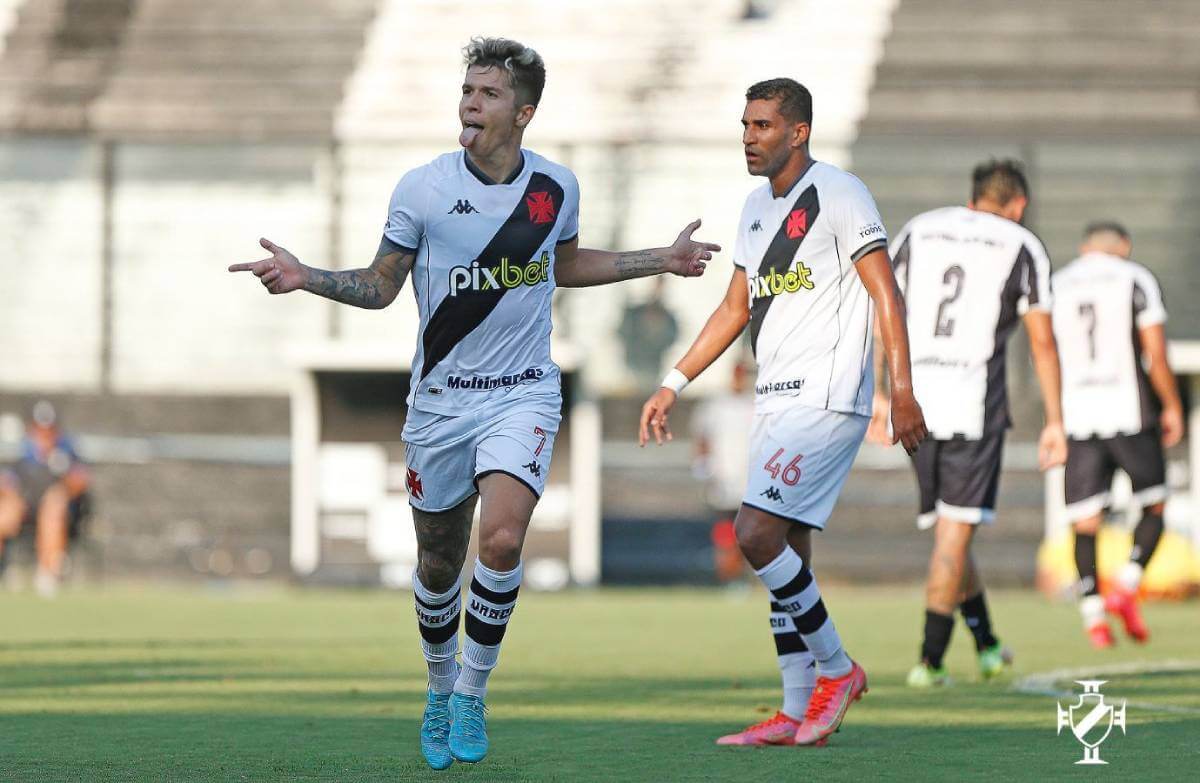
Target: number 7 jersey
967	276
1101	304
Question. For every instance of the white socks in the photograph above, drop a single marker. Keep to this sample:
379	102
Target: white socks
490	603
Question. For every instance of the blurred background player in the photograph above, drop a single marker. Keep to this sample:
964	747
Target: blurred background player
968	274
45	488
810	265
485	399
720	452
1121	406
647	330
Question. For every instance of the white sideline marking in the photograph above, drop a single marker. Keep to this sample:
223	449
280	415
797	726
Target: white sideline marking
1044	684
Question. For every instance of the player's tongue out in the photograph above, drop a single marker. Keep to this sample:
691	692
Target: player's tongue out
469	134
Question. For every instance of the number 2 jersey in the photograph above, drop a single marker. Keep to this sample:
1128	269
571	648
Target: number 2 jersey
810	315
483	277
967	276
1101	302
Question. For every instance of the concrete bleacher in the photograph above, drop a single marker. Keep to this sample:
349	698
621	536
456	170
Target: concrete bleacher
1100	100
1065	69
55	60
232	69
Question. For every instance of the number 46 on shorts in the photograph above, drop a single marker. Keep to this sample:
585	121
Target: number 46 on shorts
790	471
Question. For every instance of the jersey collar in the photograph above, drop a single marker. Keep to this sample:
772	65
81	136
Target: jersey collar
485	179
791	189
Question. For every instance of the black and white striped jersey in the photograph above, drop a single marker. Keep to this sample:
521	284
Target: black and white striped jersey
1101	304
967	276
483	276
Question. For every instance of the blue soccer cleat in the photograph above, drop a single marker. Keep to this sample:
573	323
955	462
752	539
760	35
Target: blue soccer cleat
435	731
468	728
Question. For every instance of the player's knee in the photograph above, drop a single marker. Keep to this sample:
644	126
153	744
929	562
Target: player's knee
1088	527
501	548
436	571
759	546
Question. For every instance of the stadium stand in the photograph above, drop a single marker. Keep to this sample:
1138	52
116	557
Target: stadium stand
242	69
1101	101
56	60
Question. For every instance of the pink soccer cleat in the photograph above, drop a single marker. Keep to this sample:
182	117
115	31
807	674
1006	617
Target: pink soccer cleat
828	705
1101	636
779	730
1124	605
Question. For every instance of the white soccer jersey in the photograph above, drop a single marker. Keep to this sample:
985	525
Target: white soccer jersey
483	277
810	316
1100	304
966	276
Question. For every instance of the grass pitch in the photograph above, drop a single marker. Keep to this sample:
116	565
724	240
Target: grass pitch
164	684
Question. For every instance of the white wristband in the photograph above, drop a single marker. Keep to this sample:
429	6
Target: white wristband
675	381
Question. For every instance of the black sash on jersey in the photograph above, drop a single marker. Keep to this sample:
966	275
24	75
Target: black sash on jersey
781	252
517	240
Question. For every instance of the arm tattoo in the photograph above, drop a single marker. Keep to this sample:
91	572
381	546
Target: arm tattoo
358	287
638	263
371	288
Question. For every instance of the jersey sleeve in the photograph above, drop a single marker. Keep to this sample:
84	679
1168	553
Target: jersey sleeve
406	212
899	250
856	221
1034	277
1148	307
741	250
570	222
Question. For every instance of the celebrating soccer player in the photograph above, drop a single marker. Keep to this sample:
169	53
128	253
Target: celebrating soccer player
968	274
1108	319
487	232
810	265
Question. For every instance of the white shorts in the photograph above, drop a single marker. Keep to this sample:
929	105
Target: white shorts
447	455
799	460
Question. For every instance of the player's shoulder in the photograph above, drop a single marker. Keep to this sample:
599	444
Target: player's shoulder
440	168
759	195
1142	274
553	169
836	181
939	216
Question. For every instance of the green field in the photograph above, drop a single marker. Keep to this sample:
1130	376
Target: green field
619	685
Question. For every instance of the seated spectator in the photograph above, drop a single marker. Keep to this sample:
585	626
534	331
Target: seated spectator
44	488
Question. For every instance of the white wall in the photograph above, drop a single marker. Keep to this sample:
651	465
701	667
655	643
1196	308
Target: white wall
182	323
50	243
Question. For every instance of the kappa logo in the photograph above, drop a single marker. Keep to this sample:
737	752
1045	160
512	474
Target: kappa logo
1091	720
771	493
534	469
462	207
756	225
541	207
797	224
413	480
